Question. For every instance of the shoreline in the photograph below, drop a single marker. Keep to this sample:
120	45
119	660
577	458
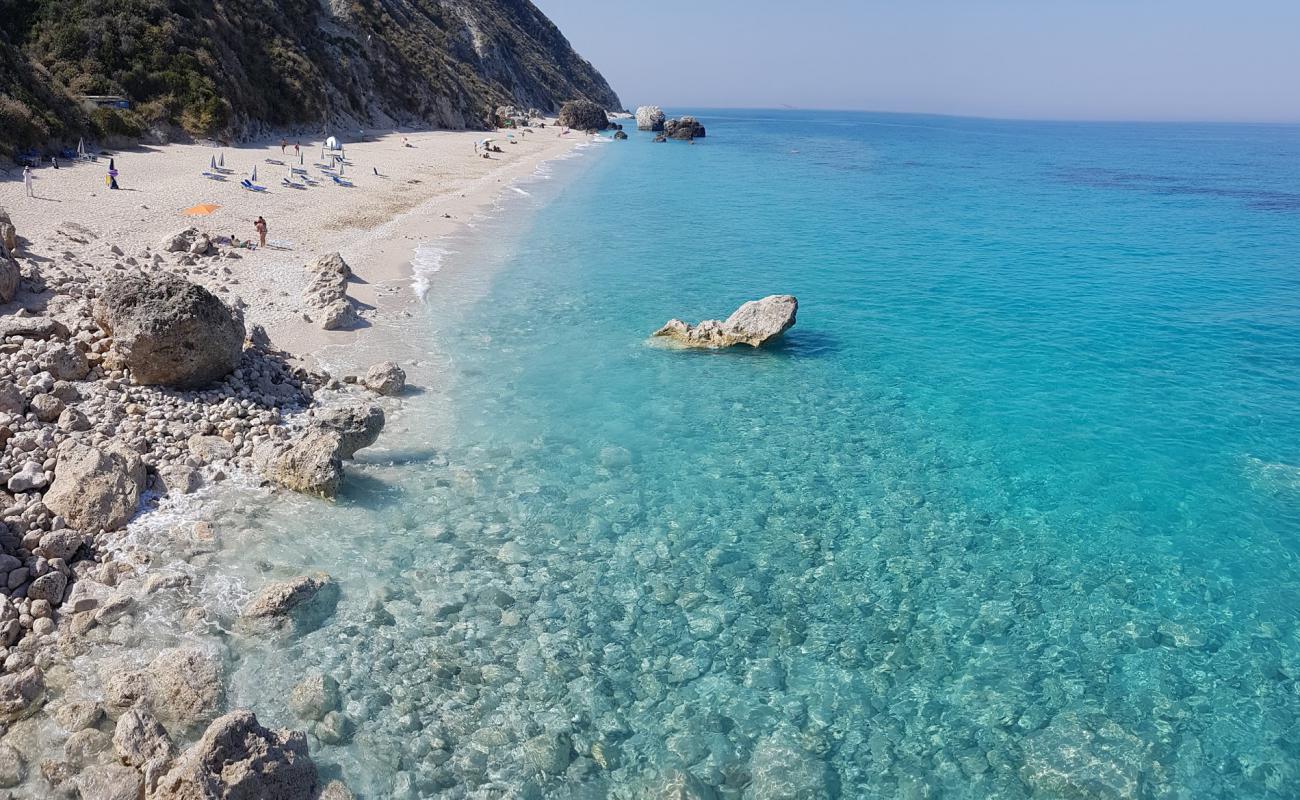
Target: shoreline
130	579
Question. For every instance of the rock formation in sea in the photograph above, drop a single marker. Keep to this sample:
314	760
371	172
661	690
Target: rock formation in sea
583	115
684	128
650	118
755	323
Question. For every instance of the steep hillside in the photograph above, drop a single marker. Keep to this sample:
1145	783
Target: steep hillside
237	67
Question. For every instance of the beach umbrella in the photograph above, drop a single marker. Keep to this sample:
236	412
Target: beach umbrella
81	147
300	159
253	177
340	167
201	210
213	164
221	161
111	167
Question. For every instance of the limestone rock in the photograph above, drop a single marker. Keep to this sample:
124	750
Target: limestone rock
303	602
385	378
9	276
684	128
650	118
583	115
681	785
11	400
549	753
62	543
181	687
110	782
315	696
142	742
33	328
21	694
312	463
358	426
340	315
326	292
755	323
238	759
28	477
179	242
65	363
8	234
169	331
96	488
13	768
46	407
336	790
48	587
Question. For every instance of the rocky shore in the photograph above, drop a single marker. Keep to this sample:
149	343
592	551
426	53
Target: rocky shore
125	382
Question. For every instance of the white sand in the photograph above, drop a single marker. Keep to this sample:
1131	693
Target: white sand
375	224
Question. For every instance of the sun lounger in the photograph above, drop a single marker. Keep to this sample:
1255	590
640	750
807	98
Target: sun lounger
340	181
250	186
275	161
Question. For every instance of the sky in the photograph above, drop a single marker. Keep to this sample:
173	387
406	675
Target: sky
1207	60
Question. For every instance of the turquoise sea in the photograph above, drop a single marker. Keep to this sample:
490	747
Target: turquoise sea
1014	510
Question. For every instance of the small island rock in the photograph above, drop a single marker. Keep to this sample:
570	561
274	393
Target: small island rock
650	118
583	115
755	323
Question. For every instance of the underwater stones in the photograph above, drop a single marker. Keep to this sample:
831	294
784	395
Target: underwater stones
303	603
678	784
140	741
1078	757
385	378
110	782
238	759
685	668
549	753
513	553
314	697
333	728
783	770
755	323
13	768
183	688
21	694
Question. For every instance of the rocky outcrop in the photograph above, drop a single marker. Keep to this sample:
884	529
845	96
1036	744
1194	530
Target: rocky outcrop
650	118
183	688
755	323
326	293
21	694
311	463
9	273
8	233
169	331
684	128
385	378
238	759
110	782
301	603
357	425
96	488
583	115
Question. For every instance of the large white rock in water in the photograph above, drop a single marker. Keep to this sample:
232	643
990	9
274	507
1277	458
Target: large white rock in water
311	463
650	118
169	331
238	759
755	323
96	488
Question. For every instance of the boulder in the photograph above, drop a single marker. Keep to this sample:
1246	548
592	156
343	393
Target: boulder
63	543
96	488
9	276
385	378
755	323
169	331
21	694
13	767
65	363
30	476
46	407
619	136
302	603
182	688
48	587
782	770
314	697
340	315
650	118
8	234
238	759
326	292
583	115
33	328
11	400
110	782
358	426
678	784
684	128
312	463
179	242
140	741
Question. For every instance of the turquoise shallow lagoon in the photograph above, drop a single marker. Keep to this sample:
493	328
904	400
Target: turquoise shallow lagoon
1014	511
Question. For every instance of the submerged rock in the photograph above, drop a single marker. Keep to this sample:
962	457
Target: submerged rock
650	118
782	770
110	782
303	602
169	331
755	323
583	115
96	488
183	688
238	759
21	694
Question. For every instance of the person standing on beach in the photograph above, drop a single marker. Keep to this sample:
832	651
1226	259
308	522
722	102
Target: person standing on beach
27	181
260	225
296	148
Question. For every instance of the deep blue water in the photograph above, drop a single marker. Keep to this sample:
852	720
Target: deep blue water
1013	511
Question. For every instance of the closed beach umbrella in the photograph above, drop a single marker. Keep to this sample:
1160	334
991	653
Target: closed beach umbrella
111	167
201	210
253	177
300	159
213	163
221	160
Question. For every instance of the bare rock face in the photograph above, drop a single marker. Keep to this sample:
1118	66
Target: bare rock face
169	331
358	426
684	128
755	323
650	118
583	115
96	488
385	378
302	603
312	463
238	759
8	234
9	275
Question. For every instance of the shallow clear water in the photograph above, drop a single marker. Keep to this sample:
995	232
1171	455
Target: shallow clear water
1014	510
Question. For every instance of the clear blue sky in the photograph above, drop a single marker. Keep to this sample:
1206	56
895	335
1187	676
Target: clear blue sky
1041	59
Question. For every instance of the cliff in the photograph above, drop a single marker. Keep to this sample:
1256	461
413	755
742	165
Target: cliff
237	68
